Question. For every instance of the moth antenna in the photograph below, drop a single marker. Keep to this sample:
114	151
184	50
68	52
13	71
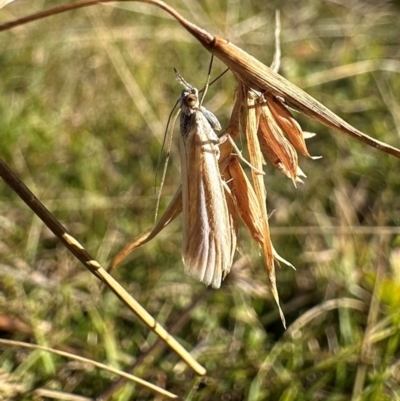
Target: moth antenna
207	81
182	81
216	79
167	158
163	143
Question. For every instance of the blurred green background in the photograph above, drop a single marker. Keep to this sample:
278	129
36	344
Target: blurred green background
84	102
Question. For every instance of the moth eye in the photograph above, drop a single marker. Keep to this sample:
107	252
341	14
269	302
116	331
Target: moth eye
191	100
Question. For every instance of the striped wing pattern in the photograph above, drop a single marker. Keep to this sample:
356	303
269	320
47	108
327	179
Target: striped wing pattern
207	232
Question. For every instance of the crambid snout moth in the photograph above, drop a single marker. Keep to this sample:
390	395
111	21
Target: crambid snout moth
209	236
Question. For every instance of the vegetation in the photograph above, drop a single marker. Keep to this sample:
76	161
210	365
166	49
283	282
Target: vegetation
84	102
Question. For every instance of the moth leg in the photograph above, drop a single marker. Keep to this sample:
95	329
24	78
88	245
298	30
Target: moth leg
227	137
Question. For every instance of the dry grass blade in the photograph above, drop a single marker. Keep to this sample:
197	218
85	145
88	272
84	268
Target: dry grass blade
144	383
273	141
280	136
321	309
247	69
172	212
94	267
232	211
288	124
245	198
158	346
250	122
258	76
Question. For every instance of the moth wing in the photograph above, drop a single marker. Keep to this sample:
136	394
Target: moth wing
207	235
210	117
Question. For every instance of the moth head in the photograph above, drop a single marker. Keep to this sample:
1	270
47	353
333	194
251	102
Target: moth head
190	98
190	95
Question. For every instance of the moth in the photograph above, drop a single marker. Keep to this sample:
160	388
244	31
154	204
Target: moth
209	235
